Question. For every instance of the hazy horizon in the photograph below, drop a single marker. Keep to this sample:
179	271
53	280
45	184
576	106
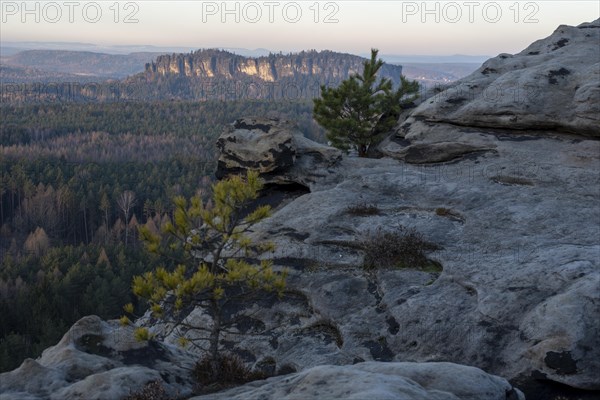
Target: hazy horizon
9	48
432	28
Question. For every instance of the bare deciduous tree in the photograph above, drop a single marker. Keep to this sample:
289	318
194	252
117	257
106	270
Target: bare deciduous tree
126	201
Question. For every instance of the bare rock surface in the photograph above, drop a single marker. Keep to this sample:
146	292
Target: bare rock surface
98	360
552	85
518	296
275	148
259	145
378	381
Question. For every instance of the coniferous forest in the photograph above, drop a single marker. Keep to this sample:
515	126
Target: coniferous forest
76	182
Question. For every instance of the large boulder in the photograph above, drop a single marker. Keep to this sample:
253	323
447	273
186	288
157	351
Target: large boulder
551	86
263	145
276	149
98	360
378	381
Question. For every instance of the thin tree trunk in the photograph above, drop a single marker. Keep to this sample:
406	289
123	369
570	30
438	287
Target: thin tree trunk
126	228
85	226
362	150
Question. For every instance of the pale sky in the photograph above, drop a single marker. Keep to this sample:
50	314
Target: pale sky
394	27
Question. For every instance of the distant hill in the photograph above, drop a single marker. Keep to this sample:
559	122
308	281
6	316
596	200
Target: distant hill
433	59
6	51
12	74
81	63
431	74
95	48
212	73
200	75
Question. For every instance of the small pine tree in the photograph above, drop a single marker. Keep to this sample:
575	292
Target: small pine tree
213	270
359	112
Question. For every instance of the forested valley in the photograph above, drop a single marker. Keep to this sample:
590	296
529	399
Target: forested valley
76	182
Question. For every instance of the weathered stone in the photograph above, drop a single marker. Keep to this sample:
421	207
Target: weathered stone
552	85
255	144
277	150
378	381
99	360
425	153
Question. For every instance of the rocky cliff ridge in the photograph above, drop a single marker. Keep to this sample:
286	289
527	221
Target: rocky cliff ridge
324	66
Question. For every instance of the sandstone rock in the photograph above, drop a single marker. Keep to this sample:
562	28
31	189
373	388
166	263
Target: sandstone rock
322	67
560	327
276	149
30	380
378	381
98	360
551	86
518	293
424	153
255	144
516	296
554	84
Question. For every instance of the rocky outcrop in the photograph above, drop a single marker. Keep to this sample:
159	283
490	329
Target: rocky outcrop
220	75
275	148
551	86
254	144
519	293
378	381
325	66
98	360
517	297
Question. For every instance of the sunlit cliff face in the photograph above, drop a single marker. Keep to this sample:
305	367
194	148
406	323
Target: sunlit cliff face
213	63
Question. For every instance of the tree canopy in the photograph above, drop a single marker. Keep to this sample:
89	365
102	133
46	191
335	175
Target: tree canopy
361	111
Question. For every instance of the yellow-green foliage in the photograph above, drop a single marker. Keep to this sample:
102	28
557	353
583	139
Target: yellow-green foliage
142	334
219	230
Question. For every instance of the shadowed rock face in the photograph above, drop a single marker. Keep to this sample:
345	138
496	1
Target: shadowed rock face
518	295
